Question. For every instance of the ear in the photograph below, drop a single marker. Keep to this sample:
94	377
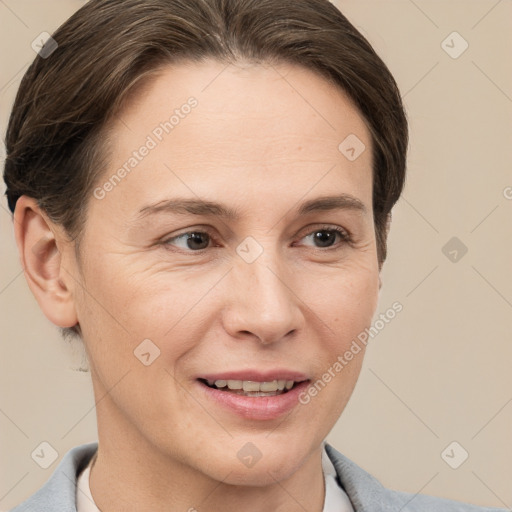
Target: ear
388	226
40	246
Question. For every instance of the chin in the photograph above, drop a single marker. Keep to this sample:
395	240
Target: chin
255	463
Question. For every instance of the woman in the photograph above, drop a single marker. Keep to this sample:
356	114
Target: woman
202	192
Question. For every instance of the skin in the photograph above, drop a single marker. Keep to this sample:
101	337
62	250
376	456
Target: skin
263	139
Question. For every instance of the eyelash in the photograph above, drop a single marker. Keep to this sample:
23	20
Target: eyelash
344	235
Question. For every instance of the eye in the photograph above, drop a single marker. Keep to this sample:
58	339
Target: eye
191	240
325	237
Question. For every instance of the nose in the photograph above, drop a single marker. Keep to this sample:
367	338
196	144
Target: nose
264	304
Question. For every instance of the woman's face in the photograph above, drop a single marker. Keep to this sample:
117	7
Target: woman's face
266	289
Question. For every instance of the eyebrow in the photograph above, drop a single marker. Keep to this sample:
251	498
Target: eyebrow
184	206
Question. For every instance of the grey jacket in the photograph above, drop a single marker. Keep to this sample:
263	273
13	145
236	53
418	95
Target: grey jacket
366	494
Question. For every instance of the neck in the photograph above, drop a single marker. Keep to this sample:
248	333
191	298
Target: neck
144	478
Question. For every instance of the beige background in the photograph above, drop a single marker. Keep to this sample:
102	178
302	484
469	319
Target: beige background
440	371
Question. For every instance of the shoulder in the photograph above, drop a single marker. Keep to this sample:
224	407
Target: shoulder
59	492
367	494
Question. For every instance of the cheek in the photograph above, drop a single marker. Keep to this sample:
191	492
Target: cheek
344	299
344	306
119	307
344	311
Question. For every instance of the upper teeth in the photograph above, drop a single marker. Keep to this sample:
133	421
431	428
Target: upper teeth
251	385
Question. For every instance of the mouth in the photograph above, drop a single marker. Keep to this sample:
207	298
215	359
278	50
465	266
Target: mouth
252	388
254	394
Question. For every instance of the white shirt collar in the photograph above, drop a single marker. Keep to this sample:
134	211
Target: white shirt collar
336	499
84	499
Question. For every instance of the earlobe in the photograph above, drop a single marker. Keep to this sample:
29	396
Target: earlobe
38	244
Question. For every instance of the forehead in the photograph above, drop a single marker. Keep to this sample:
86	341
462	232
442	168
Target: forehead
251	123
239	95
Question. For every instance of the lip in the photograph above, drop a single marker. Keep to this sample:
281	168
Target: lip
257	375
254	407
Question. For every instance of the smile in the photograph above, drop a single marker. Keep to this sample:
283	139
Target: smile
253	399
251	387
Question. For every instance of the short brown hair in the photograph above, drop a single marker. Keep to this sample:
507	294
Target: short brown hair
56	138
